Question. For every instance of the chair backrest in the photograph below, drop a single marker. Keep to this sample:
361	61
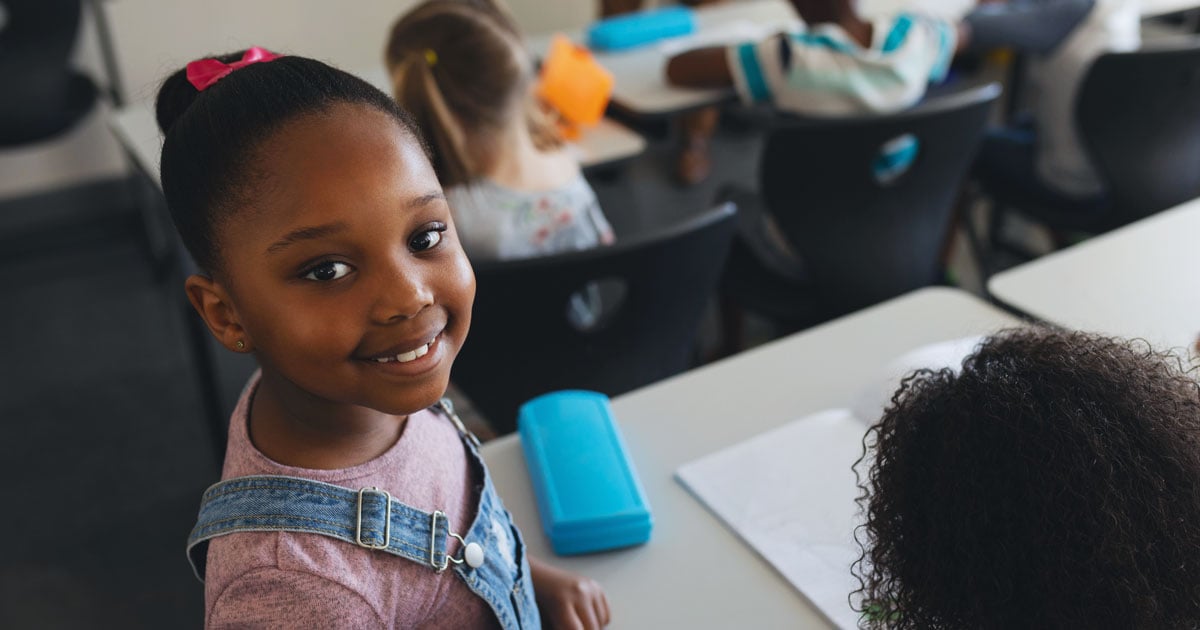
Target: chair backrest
42	94
1139	116
866	231
38	34
522	342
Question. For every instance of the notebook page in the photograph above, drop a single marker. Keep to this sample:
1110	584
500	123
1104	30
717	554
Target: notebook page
876	395
790	494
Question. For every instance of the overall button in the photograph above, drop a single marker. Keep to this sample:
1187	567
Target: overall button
473	555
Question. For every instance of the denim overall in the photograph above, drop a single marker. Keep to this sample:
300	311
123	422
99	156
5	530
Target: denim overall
491	558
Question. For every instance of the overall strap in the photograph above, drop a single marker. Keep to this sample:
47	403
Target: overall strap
369	518
446	407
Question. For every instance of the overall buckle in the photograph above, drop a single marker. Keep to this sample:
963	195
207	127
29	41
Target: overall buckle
387	519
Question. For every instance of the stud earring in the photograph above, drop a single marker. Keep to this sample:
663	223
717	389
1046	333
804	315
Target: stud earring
241	345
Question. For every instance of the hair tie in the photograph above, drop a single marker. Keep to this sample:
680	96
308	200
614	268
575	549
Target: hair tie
430	57
202	73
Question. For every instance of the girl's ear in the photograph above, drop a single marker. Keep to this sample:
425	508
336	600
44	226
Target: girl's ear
212	302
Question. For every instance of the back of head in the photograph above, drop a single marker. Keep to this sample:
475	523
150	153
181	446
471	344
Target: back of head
460	67
1053	482
210	159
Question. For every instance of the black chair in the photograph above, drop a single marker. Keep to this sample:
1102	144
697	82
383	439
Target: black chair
860	237
1138	114
654	289
43	95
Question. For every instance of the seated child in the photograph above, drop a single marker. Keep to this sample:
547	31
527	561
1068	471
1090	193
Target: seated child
515	190
839	64
327	250
1040	156
1051	482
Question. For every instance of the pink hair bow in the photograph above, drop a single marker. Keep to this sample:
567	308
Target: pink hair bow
205	72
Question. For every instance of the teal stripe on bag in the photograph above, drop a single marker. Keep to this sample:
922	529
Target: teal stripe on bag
748	57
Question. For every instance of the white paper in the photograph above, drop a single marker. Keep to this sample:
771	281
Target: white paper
868	406
791	492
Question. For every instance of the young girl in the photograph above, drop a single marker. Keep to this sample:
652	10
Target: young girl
515	189
328	251
1052	482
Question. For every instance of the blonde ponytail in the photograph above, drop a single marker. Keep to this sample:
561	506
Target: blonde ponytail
415	87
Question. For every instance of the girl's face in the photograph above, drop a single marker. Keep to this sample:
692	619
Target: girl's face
345	273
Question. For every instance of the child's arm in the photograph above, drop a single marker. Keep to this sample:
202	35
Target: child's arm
702	68
568	601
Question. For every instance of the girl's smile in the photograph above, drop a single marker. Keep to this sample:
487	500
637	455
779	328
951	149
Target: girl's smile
409	358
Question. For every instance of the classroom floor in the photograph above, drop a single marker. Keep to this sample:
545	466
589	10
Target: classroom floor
107	448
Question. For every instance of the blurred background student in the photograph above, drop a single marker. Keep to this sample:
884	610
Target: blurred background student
515	189
837	64
1039	155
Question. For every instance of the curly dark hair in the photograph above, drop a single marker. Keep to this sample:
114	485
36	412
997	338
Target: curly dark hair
1053	482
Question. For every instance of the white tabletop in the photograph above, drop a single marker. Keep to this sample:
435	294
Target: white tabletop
1139	281
694	573
136	129
1151	8
640	73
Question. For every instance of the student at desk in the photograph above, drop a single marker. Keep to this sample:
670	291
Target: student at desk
1053	481
515	189
1040	155
839	65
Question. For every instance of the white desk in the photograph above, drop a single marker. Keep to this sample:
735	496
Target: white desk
135	128
640	73
607	142
694	573
1151	8
1142	280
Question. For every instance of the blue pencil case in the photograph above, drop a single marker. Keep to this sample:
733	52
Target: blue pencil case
587	491
643	27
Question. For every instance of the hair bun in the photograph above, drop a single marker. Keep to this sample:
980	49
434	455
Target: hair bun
177	94
174	97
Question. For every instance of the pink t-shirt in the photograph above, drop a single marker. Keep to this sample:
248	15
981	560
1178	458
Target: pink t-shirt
300	580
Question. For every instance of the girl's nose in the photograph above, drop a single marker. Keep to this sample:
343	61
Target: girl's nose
402	292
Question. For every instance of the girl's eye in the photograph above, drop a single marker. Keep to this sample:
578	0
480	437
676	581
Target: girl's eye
328	271
427	239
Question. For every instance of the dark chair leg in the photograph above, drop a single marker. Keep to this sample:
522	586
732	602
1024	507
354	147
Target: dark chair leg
982	252
733	326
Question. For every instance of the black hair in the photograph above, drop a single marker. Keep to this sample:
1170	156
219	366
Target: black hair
1053	482
211	136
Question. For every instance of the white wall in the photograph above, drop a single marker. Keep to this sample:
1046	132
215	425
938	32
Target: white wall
155	37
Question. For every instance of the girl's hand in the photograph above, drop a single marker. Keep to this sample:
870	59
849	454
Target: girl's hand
568	601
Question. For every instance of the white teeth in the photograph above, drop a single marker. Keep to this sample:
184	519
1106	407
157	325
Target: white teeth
405	357
413	355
